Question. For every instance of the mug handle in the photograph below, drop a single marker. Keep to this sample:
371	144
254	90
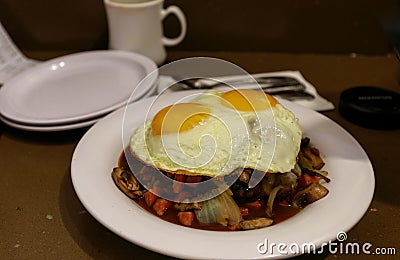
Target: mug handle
182	20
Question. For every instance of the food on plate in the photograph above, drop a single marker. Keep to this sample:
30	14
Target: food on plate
231	160
219	133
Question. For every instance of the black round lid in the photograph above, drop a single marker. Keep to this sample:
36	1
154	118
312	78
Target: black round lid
371	107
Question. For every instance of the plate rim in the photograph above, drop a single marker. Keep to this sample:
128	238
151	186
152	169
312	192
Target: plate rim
8	112
55	128
58	127
237	235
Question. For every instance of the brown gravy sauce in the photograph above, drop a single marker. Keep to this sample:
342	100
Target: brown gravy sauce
281	213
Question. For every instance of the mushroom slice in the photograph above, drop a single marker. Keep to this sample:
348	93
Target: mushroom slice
311	193
126	182
187	206
309	156
255	223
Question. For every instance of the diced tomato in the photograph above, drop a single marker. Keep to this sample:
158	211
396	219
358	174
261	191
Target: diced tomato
186	218
193	181
255	204
307	179
244	211
180	177
178	185
161	206
150	198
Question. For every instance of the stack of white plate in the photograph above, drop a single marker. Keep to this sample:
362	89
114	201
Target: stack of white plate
76	90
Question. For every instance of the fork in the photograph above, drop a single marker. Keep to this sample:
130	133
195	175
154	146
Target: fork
285	87
207	83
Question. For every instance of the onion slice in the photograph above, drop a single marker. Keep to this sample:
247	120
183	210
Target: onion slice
221	209
271	199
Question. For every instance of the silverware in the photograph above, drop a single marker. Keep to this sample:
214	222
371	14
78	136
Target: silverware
207	83
285	87
295	95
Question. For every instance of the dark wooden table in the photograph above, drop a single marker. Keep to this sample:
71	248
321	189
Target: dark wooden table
42	218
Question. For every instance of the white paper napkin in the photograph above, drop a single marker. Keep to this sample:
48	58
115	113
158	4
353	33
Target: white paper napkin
12	61
318	103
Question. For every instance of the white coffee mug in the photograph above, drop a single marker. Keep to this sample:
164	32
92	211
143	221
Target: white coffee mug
136	25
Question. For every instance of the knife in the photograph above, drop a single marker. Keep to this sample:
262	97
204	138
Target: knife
206	83
286	87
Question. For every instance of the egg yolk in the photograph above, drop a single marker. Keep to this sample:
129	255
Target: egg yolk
179	118
248	100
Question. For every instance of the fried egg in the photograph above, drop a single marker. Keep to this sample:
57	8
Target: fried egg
217	133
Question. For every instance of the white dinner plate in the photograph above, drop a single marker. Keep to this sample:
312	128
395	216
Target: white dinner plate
76	87
350	193
59	127
49	128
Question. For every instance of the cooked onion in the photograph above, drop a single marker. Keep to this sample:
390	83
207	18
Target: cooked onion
268	183
221	209
287	179
271	199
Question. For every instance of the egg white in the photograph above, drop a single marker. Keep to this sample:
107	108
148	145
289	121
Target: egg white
266	140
